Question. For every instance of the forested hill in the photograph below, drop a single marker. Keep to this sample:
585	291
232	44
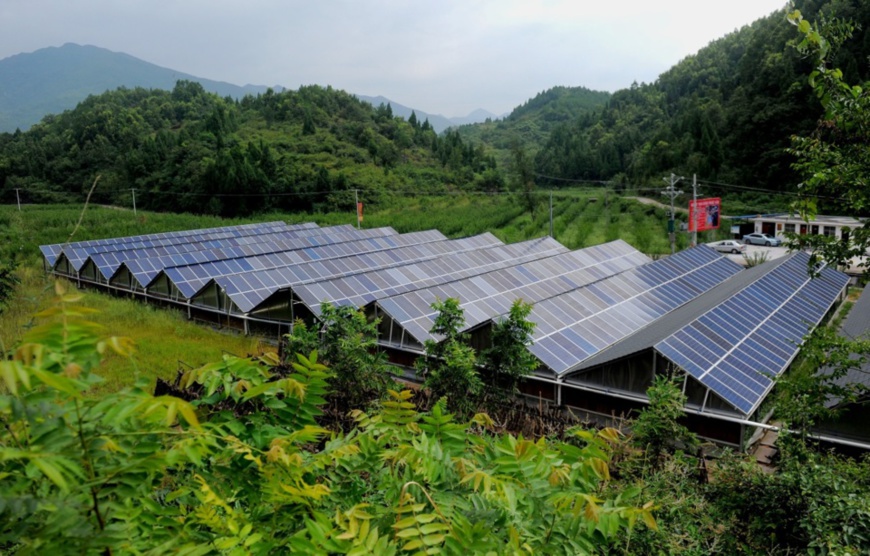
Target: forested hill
726	113
189	150
530	124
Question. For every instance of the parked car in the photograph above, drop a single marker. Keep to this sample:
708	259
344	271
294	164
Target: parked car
762	239
728	246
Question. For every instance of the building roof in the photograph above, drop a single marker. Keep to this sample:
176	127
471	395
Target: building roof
818	219
855	327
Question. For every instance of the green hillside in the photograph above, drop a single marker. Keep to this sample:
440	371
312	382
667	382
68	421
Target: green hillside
531	123
191	151
726	113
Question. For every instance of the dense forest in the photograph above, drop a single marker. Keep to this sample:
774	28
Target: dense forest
189	150
726	113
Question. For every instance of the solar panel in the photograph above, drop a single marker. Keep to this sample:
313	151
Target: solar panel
363	288
55	249
248	290
740	346
78	254
573	327
204	249
488	295
190	279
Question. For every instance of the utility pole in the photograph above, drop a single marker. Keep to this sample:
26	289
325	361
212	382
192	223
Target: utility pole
134	201
356	204
551	213
672	193
18	198
694	224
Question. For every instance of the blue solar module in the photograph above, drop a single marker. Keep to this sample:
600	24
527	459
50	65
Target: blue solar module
52	251
488	295
360	289
574	326
250	289
78	253
205	249
738	348
191	278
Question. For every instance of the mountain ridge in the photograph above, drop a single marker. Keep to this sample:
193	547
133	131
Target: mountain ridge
56	78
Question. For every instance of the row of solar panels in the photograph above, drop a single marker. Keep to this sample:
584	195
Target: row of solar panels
589	304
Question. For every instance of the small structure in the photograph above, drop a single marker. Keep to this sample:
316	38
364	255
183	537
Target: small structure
779	224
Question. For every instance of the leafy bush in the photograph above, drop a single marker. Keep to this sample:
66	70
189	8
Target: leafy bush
245	468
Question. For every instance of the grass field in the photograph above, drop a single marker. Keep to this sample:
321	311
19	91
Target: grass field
165	337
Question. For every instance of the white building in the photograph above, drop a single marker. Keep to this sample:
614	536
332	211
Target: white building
778	224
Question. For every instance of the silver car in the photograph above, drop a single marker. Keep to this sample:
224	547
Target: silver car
762	239
728	246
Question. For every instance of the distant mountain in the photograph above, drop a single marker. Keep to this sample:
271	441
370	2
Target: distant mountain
438	122
54	79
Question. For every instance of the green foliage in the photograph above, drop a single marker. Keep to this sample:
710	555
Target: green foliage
531	123
245	469
188	150
811	393
509	360
657	427
449	367
348	344
833	160
8	281
726	113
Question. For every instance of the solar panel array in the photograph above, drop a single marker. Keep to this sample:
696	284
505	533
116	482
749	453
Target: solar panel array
250	289
190	279
77	254
739	347
145	270
576	325
589	305
489	295
363	288
52	251
108	263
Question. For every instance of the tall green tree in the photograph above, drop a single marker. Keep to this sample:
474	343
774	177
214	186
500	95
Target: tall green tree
449	366
834	160
509	360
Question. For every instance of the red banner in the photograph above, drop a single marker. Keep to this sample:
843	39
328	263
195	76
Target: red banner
704	214
359	212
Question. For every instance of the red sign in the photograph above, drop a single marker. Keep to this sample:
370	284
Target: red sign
704	214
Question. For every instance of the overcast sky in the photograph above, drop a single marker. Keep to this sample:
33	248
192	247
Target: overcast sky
444	57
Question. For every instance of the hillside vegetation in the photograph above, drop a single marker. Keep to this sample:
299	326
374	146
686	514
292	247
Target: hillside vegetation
189	150
726	113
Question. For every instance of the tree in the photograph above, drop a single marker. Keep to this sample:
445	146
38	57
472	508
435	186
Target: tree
658	427
835	159
449	366
509	360
347	342
523	175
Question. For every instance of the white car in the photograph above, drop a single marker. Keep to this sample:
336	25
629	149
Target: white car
762	239
728	246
